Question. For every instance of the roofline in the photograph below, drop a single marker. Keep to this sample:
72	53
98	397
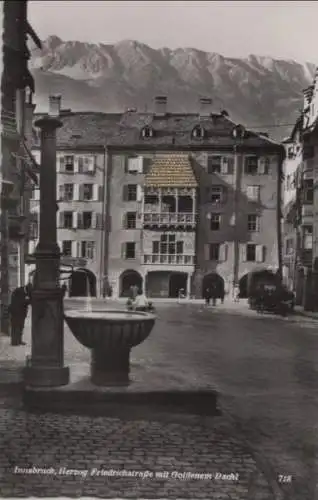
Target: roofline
84	147
204	147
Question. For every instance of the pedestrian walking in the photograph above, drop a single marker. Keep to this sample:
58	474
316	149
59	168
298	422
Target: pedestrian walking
18	309
222	293
64	289
207	296
214	294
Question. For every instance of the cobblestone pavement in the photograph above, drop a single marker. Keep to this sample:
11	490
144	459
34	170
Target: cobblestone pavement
265	369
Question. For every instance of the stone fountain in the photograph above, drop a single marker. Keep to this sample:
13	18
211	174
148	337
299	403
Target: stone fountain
110	335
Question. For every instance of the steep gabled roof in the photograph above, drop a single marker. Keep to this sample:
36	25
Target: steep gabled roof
171	170
85	129
175	129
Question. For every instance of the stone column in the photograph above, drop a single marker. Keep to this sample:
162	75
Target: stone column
189	286
46	366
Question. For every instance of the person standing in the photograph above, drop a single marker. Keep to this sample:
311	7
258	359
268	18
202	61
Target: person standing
207	296
18	309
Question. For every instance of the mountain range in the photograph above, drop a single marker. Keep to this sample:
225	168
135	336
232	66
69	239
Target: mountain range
261	92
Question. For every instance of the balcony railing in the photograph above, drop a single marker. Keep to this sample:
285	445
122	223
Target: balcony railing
174	259
169	218
9	124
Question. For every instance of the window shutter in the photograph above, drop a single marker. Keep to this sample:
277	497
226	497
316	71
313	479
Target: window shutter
94	220
141	164
123	250
125	163
224	165
259	253
61	167
95	192
80	164
124	221
101	193
125	192
230	164
61	192
99	221
262	165
74	248
223	252
79	220
36	195
60	216
60	244
207	251
58	164
139	193
79	252
91	164
75	220
243	252
76	164
76	192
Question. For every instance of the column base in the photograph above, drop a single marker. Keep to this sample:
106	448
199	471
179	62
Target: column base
110	368
46	376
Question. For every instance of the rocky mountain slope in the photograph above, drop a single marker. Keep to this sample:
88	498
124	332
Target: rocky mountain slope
257	91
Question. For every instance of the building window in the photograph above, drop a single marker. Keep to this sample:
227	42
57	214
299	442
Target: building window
87	220
308	191
167	245
217	194
214	165
308	238
87	192
67	248
214	251
251	165
68	220
215	222
130	250
131	192
251	252
69	163
252	222
67	192
198	132
253	193
87	249
130	220
147	132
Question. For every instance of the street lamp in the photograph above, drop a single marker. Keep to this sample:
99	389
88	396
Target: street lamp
46	366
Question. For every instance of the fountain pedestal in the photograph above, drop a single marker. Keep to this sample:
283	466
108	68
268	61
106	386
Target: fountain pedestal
110	367
46	366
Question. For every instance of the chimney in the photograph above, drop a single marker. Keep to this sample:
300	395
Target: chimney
160	105
205	106
55	105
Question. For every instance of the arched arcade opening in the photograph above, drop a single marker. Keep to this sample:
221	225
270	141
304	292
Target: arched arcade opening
128	279
82	283
213	281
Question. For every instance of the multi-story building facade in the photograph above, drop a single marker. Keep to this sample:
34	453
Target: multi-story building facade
300	222
17	164
192	199
81	176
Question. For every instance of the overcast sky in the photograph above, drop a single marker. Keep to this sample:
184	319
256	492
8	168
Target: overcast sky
231	28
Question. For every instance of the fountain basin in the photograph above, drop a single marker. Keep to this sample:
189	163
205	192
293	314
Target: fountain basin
110	335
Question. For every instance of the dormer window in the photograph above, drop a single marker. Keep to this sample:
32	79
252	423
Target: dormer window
198	132
147	132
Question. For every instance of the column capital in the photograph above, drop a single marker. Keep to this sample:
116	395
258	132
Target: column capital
48	123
